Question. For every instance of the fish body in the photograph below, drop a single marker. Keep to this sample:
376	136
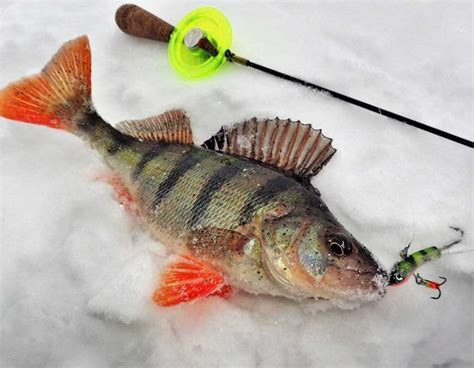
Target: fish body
240	210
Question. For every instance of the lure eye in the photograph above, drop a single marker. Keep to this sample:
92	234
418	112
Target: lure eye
340	246
398	276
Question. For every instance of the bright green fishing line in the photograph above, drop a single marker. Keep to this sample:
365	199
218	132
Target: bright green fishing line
195	64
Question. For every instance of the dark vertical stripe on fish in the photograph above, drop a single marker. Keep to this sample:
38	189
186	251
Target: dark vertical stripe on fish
181	167
263	196
213	184
155	151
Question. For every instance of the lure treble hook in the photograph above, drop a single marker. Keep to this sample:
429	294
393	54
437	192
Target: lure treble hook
430	284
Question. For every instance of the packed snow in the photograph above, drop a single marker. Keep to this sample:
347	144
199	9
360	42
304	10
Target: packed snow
77	271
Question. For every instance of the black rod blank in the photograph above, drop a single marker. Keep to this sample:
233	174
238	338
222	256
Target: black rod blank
427	128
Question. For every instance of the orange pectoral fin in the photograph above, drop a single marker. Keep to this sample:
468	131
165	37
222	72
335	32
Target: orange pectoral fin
189	279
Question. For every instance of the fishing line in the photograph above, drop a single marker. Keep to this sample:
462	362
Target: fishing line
201	42
457	250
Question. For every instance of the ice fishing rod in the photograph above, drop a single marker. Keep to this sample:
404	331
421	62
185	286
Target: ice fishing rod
200	44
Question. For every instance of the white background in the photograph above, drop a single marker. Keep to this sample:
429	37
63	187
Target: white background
76	270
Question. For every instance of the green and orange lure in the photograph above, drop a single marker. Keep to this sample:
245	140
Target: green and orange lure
405	268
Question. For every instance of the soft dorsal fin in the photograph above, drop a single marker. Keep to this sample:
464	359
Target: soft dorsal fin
289	146
172	126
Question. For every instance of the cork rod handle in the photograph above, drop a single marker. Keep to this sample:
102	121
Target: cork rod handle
136	21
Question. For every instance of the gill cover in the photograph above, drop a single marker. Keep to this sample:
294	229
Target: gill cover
289	250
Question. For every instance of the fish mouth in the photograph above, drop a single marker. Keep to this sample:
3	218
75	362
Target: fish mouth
372	281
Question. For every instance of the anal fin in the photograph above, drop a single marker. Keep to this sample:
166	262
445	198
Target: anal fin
188	279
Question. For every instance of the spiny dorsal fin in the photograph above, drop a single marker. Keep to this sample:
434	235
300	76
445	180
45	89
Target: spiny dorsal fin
287	145
172	126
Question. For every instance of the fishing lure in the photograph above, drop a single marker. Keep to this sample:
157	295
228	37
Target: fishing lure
403	269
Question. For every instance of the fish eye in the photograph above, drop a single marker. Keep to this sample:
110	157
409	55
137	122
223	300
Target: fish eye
339	245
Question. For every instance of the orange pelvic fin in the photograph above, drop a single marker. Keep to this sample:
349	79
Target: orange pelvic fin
189	279
55	96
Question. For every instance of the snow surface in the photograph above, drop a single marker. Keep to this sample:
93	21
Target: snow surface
77	272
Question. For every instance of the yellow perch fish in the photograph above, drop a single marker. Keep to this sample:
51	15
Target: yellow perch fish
239	211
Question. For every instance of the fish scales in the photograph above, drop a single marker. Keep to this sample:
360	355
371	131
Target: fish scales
180	188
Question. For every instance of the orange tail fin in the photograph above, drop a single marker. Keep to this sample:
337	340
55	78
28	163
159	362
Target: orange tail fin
57	97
